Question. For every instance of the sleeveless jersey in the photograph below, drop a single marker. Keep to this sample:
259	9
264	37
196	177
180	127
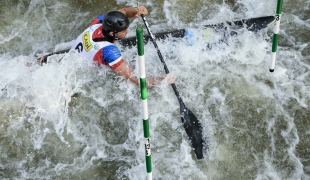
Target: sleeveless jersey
102	52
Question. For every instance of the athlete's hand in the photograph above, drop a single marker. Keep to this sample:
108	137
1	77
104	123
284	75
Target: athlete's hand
170	78
141	10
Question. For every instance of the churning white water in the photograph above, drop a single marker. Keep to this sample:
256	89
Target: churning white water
74	119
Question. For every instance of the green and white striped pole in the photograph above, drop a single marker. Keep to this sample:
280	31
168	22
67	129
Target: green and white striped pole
140	45
276	35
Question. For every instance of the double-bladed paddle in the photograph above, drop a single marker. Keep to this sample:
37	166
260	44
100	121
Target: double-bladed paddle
190	122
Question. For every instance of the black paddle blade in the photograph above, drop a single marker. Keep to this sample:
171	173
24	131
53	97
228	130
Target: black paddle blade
193	130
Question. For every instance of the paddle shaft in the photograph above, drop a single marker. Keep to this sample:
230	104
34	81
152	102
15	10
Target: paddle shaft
161	58
190	122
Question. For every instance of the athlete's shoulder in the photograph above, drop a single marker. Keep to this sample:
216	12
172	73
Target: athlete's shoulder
98	19
111	53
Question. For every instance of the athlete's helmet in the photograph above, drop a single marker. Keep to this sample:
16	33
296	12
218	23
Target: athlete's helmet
115	21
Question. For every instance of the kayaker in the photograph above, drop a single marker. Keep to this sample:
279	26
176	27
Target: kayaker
97	42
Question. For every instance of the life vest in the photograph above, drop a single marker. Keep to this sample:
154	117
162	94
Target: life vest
104	52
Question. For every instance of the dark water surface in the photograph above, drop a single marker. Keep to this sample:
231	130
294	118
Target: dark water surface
75	120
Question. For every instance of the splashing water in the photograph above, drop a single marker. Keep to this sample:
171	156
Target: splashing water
75	120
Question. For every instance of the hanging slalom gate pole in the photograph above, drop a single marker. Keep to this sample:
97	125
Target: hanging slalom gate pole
276	35
140	45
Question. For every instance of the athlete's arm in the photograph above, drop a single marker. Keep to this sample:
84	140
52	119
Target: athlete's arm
125	71
132	12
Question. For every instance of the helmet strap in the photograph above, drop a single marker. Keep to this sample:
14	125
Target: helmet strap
114	33
108	36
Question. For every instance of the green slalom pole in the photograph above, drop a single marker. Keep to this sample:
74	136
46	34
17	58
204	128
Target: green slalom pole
140	45
276	35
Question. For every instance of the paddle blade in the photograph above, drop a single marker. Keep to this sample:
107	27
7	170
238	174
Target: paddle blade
193	129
